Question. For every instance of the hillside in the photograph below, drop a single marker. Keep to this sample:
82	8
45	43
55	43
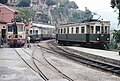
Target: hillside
61	11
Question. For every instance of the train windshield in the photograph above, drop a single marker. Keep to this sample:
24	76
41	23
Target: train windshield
10	29
20	28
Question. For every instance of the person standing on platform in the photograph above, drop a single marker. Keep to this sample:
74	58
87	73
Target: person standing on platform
28	41
1	42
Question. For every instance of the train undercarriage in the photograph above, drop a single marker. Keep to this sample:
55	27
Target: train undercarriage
97	45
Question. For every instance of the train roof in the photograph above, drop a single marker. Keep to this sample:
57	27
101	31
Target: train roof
93	21
16	23
42	25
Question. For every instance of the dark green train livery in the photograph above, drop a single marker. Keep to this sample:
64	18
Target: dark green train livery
94	33
41	32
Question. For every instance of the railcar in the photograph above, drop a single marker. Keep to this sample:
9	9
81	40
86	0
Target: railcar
93	33
41	32
16	34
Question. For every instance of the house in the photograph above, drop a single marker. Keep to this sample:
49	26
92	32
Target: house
7	14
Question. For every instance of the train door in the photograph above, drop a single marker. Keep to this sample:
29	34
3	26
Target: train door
87	33
3	34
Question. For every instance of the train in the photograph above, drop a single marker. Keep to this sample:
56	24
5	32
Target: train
40	32
15	34
93	33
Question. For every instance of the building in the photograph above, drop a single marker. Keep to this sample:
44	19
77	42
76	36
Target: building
7	14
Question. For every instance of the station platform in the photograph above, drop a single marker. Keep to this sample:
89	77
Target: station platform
12	68
96	54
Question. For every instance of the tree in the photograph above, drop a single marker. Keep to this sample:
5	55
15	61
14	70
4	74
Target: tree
116	4
116	35
87	14
72	5
50	2
3	1
24	3
25	14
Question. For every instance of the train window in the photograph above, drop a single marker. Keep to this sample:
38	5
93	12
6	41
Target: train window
106	29
36	31
102	29
64	30
67	30
72	30
97	29
20	28
9	28
92	29
82	29
77	30
59	31
33	31
30	31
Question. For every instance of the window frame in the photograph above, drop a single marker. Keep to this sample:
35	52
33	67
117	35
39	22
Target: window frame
10	30
82	29
91	29
97	31
77	30
64	30
72	30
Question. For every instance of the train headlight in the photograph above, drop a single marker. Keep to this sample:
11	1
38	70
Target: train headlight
97	38
21	41
101	35
9	36
108	39
20	36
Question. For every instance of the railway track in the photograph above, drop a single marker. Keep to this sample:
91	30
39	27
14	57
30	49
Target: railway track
39	71
101	65
60	73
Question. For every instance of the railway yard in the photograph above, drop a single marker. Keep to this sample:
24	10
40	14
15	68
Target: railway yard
46	62
51	40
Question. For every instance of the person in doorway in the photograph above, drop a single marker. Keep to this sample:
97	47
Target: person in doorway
1	42
28	41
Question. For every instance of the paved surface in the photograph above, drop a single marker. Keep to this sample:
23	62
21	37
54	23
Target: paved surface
12	68
103	53
77	71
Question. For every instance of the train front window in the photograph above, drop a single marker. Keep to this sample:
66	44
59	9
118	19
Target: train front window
58	31
9	28
91	29
61	31
64	30
30	31
67	30
20	28
106	29
97	29
77	30
82	29
36	31
102	29
72	31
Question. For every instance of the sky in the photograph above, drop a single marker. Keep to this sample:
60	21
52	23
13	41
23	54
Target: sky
102	8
